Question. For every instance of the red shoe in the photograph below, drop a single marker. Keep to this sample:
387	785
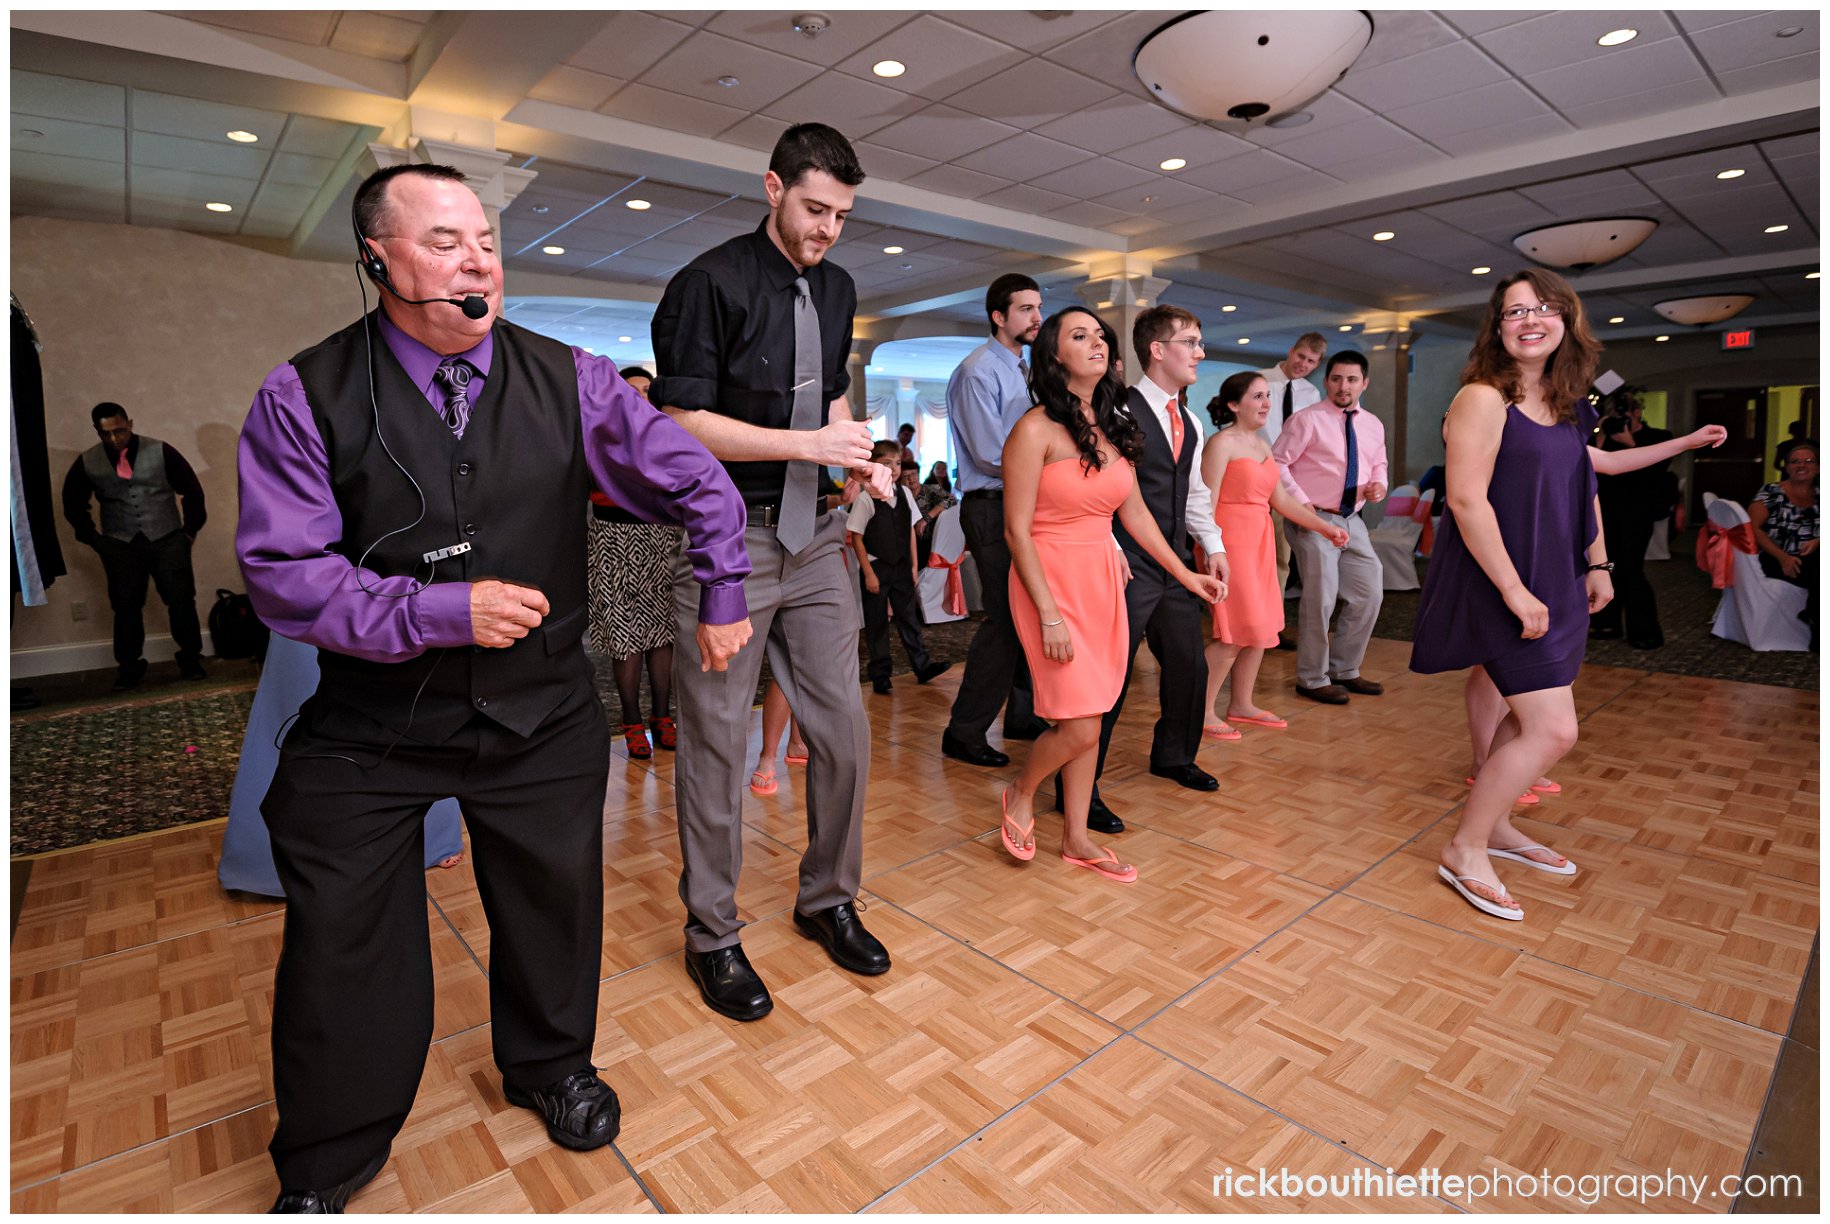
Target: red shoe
665	735
636	737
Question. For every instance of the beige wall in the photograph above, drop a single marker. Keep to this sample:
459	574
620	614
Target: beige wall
180	329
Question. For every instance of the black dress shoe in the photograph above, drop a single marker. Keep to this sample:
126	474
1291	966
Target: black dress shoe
190	667
580	1111
881	687
1603	633
984	754
936	668
1191	776
1647	643
1328	694
845	939
1100	818
128	675
331	1201
1361	685
1025	730
727	983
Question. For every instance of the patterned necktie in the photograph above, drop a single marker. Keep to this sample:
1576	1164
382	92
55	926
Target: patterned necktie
453	376
794	527
1289	397
1349	490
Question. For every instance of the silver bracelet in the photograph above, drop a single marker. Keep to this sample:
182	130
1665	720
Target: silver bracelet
1053	623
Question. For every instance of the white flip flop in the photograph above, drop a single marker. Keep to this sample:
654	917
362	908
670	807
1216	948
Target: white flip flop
1476	900
1517	854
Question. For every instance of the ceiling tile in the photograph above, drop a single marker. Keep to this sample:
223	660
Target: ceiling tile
1084	213
1437	73
1632	69
860	106
1563	39
1033	30
1515	131
1481	20
958	181
1382	165
1247	170
1355	141
1095	177
1493	215
60	172
1752	40
279	199
1024	156
1398	33
208	157
175	116
675	112
312	28
382	36
1165	193
629	44
1489	106
318	137
1026	199
942	133
773	30
34	93
1214	208
891	164
1132	227
697	66
1113	124
63	138
1330	110
575	87
188	185
1302	183
940	58
756	132
1792	71
1592	194
1657	101
1104	54
1197	144
1803	144
1030	93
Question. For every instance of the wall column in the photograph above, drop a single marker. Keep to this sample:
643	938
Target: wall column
1118	293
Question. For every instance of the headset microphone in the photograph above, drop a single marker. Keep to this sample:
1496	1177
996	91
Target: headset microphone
474	305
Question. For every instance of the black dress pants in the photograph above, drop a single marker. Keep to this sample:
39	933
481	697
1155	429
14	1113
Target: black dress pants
1167	615
895	590
1628	531
352	1009
995	674
167	561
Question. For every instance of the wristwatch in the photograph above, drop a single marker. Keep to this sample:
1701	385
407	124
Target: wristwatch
1605	566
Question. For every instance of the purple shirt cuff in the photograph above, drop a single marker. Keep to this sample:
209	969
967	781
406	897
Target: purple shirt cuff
723	603
443	613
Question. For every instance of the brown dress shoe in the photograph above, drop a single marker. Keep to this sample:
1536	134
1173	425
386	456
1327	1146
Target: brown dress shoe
1362	686
1328	694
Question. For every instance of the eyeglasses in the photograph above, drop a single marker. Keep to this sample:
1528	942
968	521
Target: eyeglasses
1547	310
1194	344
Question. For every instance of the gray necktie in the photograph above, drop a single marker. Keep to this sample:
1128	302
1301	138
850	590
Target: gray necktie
794	525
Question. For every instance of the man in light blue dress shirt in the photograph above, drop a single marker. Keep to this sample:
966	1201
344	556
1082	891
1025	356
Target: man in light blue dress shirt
988	392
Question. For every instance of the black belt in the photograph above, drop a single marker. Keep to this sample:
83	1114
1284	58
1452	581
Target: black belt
770	515
984	495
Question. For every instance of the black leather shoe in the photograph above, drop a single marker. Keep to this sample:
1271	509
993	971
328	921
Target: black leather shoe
1025	730
1647	643
1100	818
846	941
1361	685
331	1201
727	983
984	754
128	675
1191	776
190	667
1328	694
932	670
1602	633
580	1111
881	687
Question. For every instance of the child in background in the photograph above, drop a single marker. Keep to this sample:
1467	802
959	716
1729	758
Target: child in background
883	537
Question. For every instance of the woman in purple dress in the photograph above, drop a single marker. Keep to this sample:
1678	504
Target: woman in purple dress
1520	562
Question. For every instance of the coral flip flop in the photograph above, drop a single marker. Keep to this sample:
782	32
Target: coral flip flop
1273	722
1024	833
1219	731
1517	854
796	760
1104	865
1476	900
766	787
1524	800
1548	788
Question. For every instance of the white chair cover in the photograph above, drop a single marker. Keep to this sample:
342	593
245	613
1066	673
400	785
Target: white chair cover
949	544
1395	541
1759	612
1659	547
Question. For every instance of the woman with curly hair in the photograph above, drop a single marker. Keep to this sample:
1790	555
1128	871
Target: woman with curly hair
1067	471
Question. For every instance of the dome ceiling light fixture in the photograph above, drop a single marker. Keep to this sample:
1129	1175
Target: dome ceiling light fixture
1704	310
1226	65
1581	245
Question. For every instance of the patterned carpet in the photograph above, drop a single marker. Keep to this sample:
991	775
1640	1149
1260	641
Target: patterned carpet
111	769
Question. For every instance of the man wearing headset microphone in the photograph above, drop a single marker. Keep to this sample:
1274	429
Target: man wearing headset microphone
411	493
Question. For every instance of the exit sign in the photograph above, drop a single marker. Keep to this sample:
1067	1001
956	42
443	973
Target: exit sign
1738	340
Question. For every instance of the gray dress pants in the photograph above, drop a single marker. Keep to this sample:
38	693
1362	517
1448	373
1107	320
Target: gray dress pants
1351	575
805	614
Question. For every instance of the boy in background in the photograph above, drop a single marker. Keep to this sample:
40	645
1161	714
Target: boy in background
883	537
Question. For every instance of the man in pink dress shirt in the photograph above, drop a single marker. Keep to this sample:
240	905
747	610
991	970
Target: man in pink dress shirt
1335	453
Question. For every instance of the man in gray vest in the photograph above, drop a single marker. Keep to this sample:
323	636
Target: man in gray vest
139	481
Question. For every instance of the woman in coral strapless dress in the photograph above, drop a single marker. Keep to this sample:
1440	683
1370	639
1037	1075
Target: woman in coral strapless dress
1237	465
1067	471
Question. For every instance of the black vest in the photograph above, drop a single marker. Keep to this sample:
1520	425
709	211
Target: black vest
1164	486
513	489
886	536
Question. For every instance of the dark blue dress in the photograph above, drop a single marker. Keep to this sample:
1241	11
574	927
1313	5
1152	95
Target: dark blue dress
1543	494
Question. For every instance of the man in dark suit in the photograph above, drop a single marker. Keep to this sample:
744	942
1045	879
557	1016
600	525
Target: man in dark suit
1167	341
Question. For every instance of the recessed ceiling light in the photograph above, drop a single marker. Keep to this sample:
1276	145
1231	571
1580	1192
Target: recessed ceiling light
1172	163
1810	276
1618	319
1776	229
638	205
1228	309
1384	236
1791	31
554	250
540	210
29	133
892	250
1345	327
889	68
1245	339
241	137
1147	200
1613	38
1730	174
218	206
1661	339
905	267
729	82
1481	271
624	339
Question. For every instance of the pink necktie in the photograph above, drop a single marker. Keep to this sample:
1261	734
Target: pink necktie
122	468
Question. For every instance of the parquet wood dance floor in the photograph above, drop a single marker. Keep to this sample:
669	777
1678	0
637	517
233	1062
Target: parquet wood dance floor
1288	986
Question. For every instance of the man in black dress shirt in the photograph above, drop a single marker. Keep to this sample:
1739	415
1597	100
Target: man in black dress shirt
752	340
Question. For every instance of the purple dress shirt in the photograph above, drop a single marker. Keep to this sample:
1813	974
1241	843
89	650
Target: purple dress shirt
637	456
